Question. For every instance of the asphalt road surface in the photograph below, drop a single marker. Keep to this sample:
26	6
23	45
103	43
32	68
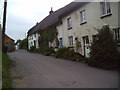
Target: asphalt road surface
37	71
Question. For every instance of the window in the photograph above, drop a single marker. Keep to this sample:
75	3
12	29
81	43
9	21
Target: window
95	38
35	35
69	21
61	42
83	17
87	40
105	6
31	44
31	37
117	35
71	40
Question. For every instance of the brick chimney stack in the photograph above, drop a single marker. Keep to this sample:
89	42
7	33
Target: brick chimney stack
51	11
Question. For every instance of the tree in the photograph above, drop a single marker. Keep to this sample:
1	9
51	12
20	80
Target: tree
104	51
46	36
23	44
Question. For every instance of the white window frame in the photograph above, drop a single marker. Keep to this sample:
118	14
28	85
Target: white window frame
83	16
69	22
71	40
105	8
117	35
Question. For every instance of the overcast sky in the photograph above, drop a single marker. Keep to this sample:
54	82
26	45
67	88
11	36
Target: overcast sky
23	14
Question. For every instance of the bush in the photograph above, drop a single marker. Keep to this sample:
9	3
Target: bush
32	49
23	44
104	52
47	51
67	53
47	35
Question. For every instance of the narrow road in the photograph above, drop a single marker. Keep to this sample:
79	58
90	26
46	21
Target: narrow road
38	71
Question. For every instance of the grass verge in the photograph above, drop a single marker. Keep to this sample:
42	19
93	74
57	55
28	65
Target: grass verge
6	79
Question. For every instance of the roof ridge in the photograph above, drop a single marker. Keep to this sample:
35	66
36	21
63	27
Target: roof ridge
52	19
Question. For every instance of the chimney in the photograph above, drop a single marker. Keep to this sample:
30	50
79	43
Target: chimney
51	11
36	23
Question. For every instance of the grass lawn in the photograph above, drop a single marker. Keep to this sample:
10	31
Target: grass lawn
6	79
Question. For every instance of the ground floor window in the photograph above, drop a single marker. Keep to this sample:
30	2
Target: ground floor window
117	35
31	44
95	38
71	40
61	42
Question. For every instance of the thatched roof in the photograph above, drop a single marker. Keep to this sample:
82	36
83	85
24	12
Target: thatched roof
54	18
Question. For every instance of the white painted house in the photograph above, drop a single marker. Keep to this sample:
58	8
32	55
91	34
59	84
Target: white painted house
33	40
77	22
81	24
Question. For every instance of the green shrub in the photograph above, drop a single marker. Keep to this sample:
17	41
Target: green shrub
47	35
67	53
47	51
104	52
32	49
23	44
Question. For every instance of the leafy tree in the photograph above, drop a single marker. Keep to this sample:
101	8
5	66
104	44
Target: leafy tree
46	36
104	51
23	44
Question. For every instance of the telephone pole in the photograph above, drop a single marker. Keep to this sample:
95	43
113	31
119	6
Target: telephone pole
4	21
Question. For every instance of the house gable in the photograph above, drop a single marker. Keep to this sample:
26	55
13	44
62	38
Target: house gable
7	39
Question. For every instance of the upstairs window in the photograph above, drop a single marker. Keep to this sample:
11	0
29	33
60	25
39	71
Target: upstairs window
71	40
35	35
105	6
83	17
69	21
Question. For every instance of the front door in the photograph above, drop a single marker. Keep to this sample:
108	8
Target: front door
86	46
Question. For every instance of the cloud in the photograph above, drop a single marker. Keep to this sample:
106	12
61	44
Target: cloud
23	14
16	27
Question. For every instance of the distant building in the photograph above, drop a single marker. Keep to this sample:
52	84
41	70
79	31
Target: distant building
17	44
9	43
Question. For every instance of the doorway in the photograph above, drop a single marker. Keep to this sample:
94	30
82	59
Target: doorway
86	46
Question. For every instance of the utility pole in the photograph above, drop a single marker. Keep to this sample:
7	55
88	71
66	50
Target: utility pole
4	21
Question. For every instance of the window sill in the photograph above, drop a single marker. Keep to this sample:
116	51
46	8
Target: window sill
69	28
83	23
118	44
70	47
103	16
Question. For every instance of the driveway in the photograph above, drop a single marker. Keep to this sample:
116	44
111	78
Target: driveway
38	71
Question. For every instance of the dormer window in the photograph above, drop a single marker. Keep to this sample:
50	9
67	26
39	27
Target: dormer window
105	8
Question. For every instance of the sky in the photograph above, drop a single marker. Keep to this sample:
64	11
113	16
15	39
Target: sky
24	14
